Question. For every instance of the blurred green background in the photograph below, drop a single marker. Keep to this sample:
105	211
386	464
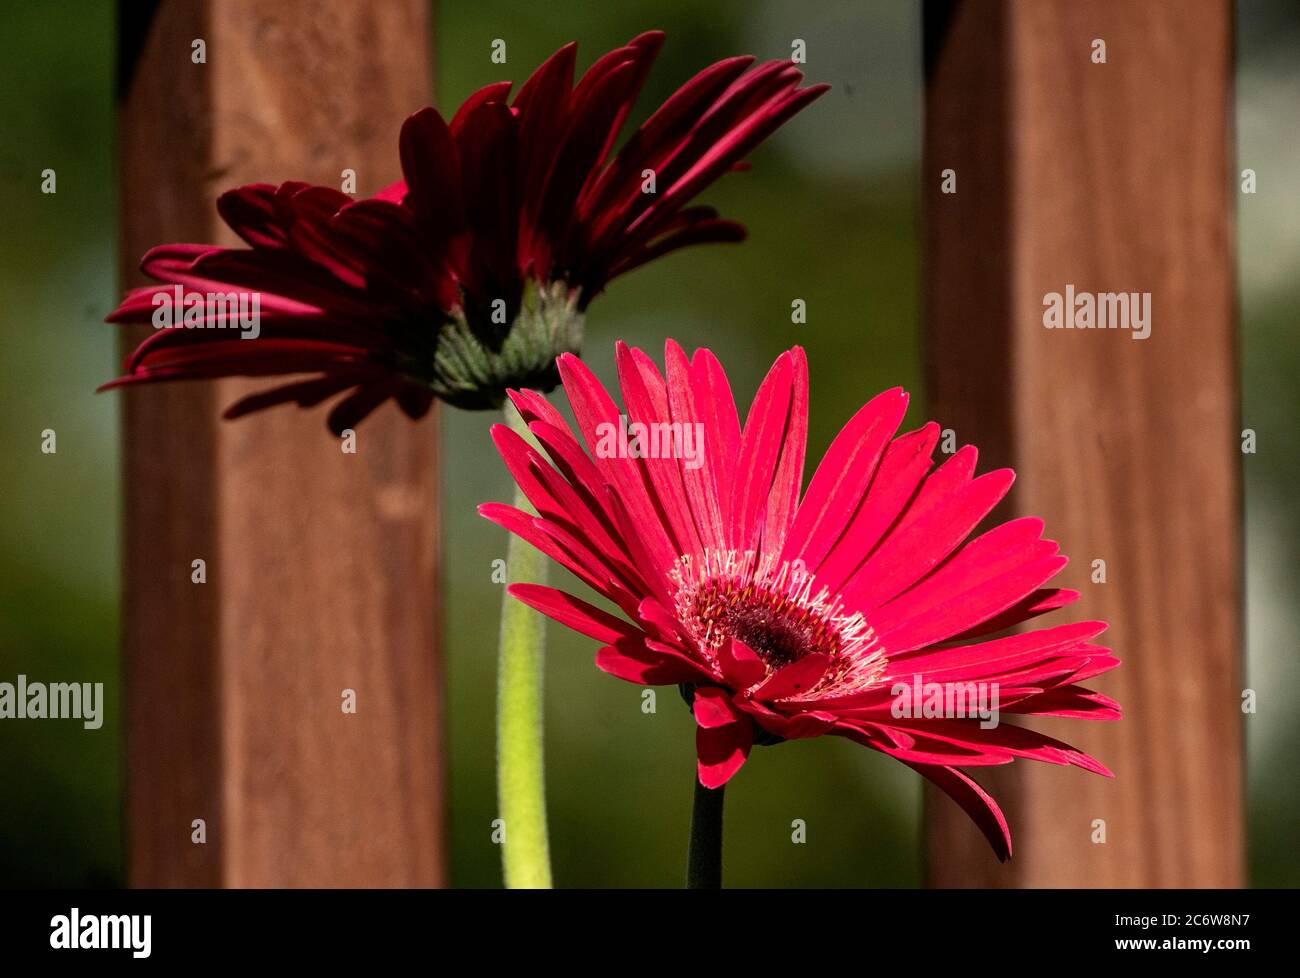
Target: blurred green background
832	209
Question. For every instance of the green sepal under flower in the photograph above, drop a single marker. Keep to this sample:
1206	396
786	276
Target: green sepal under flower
468	372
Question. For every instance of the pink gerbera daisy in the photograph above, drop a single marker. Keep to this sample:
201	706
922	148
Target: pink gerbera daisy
472	274
786	615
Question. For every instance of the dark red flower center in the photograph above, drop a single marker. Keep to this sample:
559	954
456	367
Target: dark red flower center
778	639
775	610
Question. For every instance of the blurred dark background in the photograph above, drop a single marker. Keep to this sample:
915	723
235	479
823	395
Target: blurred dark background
832	209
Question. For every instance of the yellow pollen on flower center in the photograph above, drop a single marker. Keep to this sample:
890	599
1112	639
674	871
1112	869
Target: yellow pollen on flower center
773	608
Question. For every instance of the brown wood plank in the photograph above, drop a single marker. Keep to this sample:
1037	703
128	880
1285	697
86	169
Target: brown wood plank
322	566
1110	177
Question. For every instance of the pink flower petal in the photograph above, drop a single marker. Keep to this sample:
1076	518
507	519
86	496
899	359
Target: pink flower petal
788	478
796	678
712	707
740	665
904	464
760	448
721	751
842	477
974	801
908	554
634	662
574	612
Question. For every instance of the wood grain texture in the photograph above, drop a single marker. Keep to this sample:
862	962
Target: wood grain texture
322	566
1110	177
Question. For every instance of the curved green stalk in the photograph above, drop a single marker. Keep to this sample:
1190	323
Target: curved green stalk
521	782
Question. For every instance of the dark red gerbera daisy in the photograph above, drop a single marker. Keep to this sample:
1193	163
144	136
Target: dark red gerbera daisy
785	617
473	274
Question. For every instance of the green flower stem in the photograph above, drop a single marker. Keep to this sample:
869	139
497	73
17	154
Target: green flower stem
521	782
704	856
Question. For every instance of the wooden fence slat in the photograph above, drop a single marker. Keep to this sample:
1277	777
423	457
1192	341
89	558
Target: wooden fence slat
1107	177
322	567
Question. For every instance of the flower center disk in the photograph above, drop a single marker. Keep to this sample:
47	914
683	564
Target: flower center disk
773	608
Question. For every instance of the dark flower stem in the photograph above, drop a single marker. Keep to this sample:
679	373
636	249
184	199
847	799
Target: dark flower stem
704	857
